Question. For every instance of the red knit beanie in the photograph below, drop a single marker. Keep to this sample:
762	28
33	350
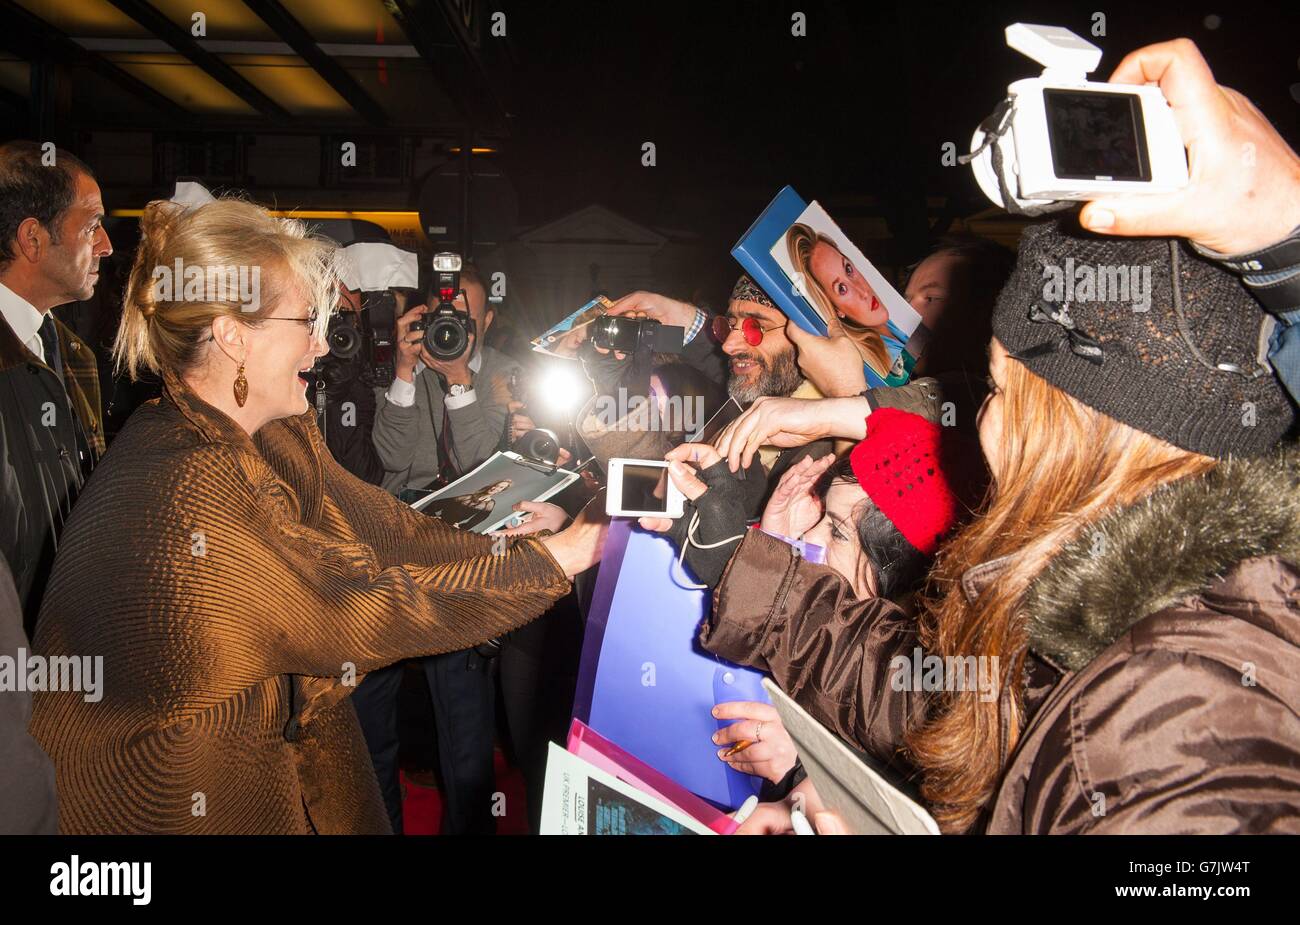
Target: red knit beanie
898	465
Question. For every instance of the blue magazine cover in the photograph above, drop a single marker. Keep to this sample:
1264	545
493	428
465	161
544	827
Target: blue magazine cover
810	269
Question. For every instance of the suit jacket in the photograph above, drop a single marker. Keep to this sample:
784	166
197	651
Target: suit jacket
407	438
237	589
51	434
30	804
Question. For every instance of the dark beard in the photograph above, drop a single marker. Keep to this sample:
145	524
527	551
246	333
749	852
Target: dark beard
780	379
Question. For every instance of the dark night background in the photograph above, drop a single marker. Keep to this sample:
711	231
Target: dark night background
857	109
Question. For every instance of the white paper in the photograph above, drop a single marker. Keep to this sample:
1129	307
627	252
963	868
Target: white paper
581	799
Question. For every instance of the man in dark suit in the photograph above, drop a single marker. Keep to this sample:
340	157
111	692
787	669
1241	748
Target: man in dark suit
51	241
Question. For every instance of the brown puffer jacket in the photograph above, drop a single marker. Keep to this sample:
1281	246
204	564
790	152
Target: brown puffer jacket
237	590
1162	687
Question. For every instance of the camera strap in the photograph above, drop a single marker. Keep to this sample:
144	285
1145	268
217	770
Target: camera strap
994	127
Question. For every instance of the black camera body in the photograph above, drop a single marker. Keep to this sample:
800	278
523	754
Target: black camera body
447	331
629	335
364	338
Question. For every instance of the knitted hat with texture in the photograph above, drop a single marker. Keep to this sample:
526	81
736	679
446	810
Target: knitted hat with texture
1147	332
903	467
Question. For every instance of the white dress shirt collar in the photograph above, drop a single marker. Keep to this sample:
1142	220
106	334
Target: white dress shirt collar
23	318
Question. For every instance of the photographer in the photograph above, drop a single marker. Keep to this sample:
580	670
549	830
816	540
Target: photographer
371	274
441	418
762	363
438	420
349	406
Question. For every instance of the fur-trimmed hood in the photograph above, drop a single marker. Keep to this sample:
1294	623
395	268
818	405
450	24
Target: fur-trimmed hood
1177	542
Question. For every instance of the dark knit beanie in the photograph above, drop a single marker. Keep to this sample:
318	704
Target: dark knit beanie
1148	333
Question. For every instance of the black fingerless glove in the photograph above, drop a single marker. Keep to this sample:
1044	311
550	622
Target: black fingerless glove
608	374
722	516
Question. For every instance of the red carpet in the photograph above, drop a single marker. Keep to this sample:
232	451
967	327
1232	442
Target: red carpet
422	805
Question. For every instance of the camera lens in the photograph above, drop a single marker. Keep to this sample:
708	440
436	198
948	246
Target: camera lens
446	338
539	444
344	341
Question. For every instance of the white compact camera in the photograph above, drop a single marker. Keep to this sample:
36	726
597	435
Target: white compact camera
1060	136
642	488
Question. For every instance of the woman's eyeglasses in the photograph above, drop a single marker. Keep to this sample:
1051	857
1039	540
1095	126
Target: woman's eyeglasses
749	327
309	322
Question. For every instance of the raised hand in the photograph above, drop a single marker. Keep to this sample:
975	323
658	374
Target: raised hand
832	363
794	507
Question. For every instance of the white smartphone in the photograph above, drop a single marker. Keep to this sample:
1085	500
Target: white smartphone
642	488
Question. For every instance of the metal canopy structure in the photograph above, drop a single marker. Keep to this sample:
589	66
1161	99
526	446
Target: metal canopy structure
257	94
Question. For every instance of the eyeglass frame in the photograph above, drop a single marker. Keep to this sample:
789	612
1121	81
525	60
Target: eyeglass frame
309	322
745	324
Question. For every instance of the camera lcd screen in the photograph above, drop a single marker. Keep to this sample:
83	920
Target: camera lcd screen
1096	136
639	484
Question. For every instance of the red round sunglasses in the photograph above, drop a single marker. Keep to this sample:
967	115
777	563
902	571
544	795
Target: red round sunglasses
749	327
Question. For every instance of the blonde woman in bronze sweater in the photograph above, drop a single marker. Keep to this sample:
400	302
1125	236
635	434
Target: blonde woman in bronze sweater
235	579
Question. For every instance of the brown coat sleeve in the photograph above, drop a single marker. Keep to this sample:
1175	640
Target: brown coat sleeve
397	534
310	601
831	652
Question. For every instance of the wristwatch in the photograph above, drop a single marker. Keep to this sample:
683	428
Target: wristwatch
457	390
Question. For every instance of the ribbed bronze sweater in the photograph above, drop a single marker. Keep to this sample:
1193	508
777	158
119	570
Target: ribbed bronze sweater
232	585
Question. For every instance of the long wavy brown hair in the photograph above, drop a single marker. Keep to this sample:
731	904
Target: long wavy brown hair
1061	466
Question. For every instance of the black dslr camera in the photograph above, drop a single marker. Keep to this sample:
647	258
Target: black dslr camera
628	335
447	329
362	340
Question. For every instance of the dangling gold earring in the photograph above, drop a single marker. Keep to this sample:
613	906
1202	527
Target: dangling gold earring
241	387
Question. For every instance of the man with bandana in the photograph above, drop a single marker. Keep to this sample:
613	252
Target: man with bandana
760	359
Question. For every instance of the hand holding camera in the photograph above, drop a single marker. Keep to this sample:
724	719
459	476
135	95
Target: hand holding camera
518	422
655	306
410	345
1244	188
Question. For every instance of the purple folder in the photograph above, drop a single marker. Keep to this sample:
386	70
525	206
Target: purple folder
645	683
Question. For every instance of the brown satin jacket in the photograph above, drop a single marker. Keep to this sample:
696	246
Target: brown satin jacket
237	589
1162	683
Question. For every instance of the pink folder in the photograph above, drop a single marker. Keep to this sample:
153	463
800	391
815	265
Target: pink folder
604	754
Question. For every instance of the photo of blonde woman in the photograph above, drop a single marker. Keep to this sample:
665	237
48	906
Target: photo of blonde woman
840	292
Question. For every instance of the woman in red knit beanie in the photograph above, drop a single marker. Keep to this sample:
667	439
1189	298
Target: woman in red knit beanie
880	515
